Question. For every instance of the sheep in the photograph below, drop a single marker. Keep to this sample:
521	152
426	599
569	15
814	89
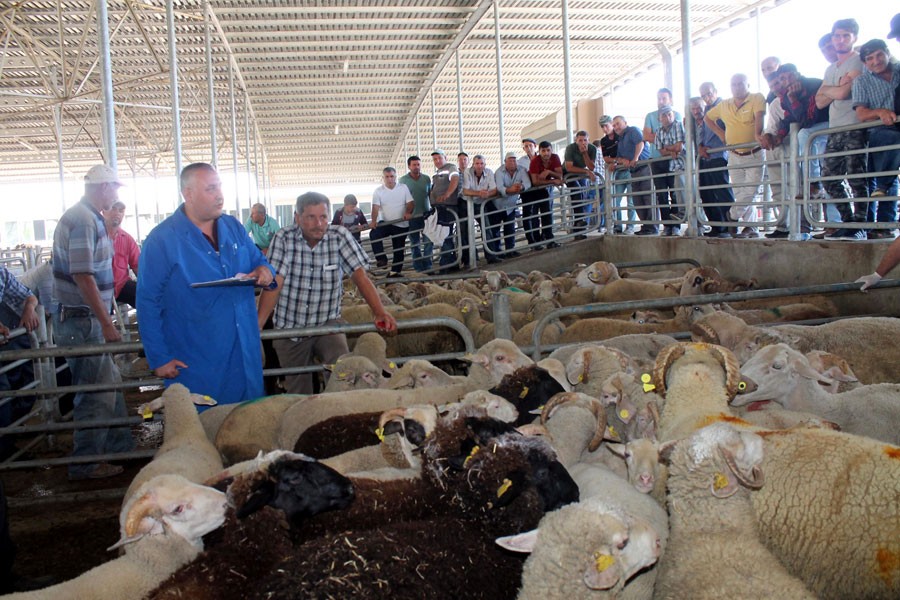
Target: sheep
643	348
557	370
162	526
372	346
482	331
603	328
708	280
351	372
418	373
576	423
528	389
865	342
279	421
588	368
663	274
697	381
496	280
785	376
592	549
212	418
714	548
415	342
632	407
835	368
830	511
186	450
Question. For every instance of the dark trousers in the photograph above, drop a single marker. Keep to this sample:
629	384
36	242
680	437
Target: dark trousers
128	294
326	348
496	219
718	195
398	242
643	198
580	196
446	216
663	181
536	217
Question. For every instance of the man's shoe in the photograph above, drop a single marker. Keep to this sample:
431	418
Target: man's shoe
777	235
580	237
537	248
512	254
493	259
748	232
101	471
646	231
849	235
724	235
878	194
394	274
552	245
382	263
629	230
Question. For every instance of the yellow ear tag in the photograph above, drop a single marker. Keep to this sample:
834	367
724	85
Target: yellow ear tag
471	454
580	378
464	309
342	375
645	379
742	386
524	392
504	487
720	481
380	433
612	432
207	397
392	365
624	413
147	414
603	561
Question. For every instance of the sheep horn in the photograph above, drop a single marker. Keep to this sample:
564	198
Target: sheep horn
587	365
664	360
710	286
390	414
756	479
706	332
552	404
600	413
145	506
732	369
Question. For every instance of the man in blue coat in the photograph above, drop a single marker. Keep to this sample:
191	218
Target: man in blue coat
205	338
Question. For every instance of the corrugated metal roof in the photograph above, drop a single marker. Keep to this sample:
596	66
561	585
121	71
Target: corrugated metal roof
334	89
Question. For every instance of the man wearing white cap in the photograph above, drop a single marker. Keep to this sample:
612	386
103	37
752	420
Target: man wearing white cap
83	289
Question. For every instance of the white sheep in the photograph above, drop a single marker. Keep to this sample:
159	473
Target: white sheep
162	526
418	373
350	372
830	511
714	547
186	449
784	375
594	548
642	347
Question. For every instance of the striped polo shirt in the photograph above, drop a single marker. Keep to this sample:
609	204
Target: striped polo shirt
80	245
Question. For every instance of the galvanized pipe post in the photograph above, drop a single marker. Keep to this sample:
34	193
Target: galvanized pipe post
234	152
173	83
210	88
691	206
108	120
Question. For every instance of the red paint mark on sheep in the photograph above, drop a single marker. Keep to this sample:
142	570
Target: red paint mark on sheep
892	452
888	565
722	417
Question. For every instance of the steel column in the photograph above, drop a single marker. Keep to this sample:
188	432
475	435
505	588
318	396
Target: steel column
567	73
173	83
210	89
499	69
108	120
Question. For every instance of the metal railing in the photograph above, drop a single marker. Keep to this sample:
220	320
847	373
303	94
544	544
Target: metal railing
632	305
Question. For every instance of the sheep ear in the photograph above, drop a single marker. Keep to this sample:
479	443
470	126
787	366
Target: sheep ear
804	369
521	542
603	572
370	379
666	449
123	541
328	367
262	495
617	449
723	485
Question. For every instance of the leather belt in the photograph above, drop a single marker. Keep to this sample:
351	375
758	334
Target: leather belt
71	312
748	152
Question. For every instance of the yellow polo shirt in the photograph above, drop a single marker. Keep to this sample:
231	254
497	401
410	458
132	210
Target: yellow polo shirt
739	122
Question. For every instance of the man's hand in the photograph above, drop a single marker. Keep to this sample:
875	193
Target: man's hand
170	369
4	331
110	333
29	319
385	322
868	281
263	275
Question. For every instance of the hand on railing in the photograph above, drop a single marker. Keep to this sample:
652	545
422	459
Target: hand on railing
868	281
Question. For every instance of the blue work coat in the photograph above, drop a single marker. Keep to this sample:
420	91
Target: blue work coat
213	330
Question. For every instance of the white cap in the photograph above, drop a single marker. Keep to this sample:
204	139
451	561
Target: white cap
101	174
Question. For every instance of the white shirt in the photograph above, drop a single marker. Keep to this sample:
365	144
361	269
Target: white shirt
392	203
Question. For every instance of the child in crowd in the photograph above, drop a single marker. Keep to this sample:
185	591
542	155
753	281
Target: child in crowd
351	217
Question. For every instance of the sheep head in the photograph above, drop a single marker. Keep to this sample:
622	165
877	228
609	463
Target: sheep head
492	405
170	504
496	280
499	358
417	373
832	366
546	290
592	404
641	460
720	449
777	371
592	362
354	372
697	351
174	393
597	274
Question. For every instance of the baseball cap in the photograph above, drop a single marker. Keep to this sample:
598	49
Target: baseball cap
510	155
605	119
101	174
118	204
666	109
895	27
871	47
439	151
529	140
786	68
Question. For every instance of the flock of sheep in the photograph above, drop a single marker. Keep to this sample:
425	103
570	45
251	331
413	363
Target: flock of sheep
751	462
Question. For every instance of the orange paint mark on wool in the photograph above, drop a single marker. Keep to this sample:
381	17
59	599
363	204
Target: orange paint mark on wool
892	452
888	565
722	418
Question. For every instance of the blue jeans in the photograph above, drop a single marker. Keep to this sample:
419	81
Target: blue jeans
885	160
92	406
818	147
422	248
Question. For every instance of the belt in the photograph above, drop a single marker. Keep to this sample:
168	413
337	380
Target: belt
747	152
71	312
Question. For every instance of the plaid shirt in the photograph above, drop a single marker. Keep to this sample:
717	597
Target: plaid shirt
873	92
80	245
668	136
12	293
313	277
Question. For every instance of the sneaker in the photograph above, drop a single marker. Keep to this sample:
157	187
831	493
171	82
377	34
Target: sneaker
878	194
777	235
101	471
381	263
849	235
629	230
646	231
880	234
748	232
552	245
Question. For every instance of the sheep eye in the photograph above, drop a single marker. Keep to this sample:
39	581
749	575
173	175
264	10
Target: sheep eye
178	509
621	545
778	366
